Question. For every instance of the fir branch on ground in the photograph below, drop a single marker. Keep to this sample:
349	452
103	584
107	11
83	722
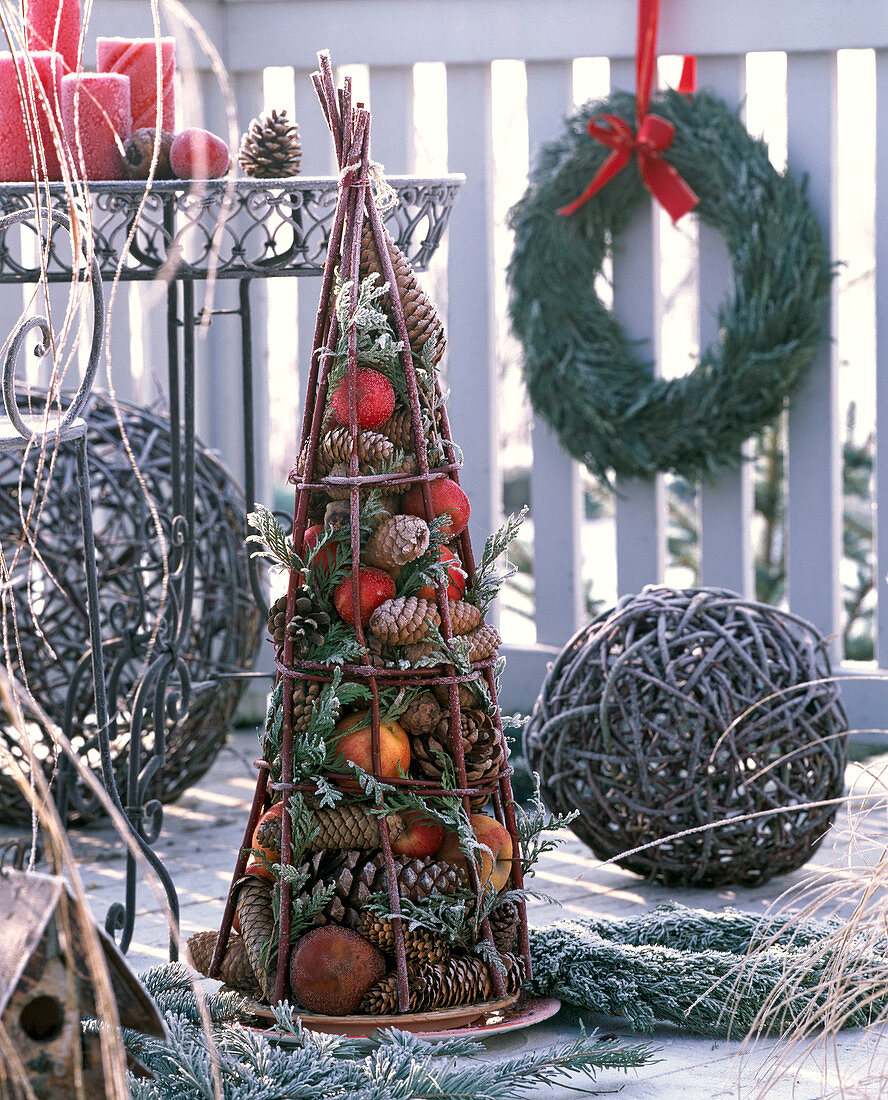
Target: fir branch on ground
767	975
392	1065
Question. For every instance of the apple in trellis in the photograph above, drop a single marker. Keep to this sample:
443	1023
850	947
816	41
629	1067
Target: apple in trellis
422	836
446	496
496	864
353	741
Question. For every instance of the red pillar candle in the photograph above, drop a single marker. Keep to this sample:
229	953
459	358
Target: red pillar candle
97	121
55	25
137	59
18	131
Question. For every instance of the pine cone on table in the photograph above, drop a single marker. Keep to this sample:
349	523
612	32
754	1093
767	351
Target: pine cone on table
270	148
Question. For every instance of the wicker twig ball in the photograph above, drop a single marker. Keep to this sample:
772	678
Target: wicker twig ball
686	708
46	617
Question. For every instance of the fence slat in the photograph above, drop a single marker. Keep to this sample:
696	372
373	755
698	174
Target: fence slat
640	504
391	103
470	358
555	487
814	486
881	301
725	508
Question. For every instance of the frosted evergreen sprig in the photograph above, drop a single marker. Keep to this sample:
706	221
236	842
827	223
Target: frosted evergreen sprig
487	583
390	1065
277	546
533	821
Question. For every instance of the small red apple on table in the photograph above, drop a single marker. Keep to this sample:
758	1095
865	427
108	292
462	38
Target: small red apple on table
197	154
354	742
496	864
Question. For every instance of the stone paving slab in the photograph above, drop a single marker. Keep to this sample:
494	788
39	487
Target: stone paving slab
203	831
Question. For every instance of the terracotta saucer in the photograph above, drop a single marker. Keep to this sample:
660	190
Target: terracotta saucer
485	1018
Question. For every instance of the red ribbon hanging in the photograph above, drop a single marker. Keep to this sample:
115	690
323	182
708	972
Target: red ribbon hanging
653	134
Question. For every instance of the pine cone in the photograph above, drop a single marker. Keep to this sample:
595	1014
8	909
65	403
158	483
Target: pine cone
420	316
235	971
374	450
338	492
277	620
382	998
380	654
467	698
420	944
351	827
504	922
405	620
309	623
305	693
398	428
396	541
483	751
356	875
422	715
462	979
270	149
483	643
268	834
256	917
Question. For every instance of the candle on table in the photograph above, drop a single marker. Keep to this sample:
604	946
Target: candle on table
55	25
97	121
137	59
20	138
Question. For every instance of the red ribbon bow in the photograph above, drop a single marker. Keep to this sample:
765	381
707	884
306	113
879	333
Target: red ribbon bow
652	136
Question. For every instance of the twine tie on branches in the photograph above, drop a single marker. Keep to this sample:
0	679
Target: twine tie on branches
384	195
652	136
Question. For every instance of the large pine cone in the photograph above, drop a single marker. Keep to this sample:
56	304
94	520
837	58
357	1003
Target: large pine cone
483	750
235	971
462	979
374	450
270	149
382	998
256	917
356	875
504	922
405	620
397	540
420	315
420	944
483	643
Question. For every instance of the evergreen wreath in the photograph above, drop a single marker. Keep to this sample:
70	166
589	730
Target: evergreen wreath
583	374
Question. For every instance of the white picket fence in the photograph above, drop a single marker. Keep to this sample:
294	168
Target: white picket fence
548	36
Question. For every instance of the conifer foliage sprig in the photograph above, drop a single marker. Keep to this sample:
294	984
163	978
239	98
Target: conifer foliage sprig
487	583
391	1065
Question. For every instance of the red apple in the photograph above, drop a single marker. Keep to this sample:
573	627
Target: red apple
375	587
446	497
197	154
456	586
354	742
327	557
496	864
422	837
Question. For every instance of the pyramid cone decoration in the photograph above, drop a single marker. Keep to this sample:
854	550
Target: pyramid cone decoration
391	564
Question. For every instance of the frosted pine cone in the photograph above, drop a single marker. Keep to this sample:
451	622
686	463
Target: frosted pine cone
396	541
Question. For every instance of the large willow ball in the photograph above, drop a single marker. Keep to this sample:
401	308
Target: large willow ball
684	709
46	616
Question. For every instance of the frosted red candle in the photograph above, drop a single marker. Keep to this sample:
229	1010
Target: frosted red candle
96	117
55	25
137	59
17	158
